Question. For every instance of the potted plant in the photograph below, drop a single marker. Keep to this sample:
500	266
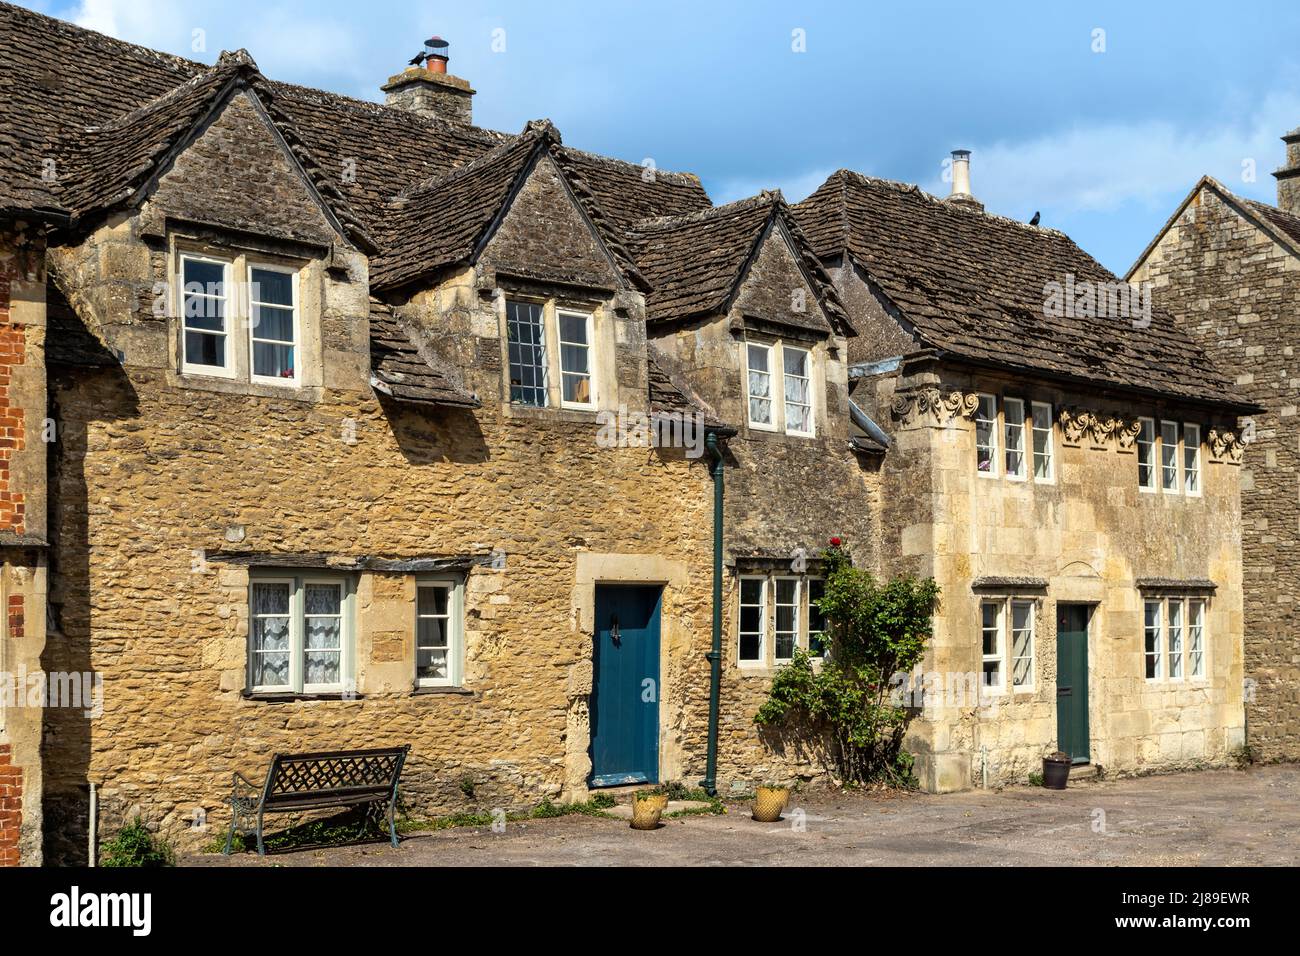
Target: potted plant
1056	770
647	807
769	801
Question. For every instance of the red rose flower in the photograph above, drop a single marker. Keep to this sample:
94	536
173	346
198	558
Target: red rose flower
836	542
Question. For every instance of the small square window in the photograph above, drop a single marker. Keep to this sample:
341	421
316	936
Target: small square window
575	358
300	633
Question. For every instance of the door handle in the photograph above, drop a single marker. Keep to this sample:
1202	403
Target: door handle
613	630
1064	691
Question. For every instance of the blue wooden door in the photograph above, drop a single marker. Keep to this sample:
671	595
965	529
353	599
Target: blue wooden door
625	686
1072	681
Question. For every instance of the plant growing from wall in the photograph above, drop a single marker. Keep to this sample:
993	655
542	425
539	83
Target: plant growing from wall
841	707
134	845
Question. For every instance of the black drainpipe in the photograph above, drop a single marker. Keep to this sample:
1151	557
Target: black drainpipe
710	781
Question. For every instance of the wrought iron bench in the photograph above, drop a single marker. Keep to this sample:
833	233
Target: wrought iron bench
340	778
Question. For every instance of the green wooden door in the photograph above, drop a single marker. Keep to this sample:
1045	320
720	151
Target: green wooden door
1072	680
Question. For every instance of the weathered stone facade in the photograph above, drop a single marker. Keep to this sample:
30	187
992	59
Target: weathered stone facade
1230	272
1090	537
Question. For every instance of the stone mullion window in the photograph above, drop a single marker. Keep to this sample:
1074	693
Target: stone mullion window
751	636
1174	647
206	315
527	360
301	634
787	613
781	606
779	388
992	644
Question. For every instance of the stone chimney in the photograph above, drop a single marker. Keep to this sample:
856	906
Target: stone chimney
1288	177
429	89
961	195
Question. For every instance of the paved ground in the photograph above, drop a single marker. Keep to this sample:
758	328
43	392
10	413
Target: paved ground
1191	819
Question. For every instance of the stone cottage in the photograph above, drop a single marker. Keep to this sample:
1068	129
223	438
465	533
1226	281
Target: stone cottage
1228	269
1064	465
333	424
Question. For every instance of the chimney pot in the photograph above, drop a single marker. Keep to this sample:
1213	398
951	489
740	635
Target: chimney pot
961	194
432	91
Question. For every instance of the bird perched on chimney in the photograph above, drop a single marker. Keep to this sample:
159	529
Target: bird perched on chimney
415	60
1034	221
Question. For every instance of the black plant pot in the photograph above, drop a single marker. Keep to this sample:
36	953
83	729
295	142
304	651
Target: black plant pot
1055	773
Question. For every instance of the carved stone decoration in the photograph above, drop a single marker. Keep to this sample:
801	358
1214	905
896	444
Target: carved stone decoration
1225	445
932	407
1128	433
1075	423
1102	430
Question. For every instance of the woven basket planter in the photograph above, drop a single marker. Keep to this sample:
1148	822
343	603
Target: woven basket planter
646	811
769	802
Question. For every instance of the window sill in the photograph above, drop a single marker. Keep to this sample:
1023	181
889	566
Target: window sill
284	697
422	691
548	413
233	386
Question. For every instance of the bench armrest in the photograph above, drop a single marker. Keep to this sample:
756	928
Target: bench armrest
242	787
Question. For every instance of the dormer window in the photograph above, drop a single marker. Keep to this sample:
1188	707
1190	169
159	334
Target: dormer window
548	343
791	409
240	319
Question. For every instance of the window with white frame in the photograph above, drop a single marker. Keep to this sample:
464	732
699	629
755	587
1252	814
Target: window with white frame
1196	638
992	676
1192	459
1174	638
1146	454
1022	644
797	363
1169	457
759	385
986	436
439	652
784	607
1044	459
300	633
790	410
1007	643
753	620
816	619
1013	429
273	323
786	632
205	314
575	357
1152	616
526	345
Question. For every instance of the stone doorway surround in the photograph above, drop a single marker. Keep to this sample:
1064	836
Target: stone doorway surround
598	568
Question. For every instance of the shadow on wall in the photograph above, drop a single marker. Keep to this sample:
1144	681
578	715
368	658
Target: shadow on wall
432	435
103	394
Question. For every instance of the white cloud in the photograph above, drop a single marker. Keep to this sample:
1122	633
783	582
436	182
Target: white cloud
1100	168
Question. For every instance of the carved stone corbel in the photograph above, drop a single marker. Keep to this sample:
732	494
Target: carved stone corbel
932	407
1225	445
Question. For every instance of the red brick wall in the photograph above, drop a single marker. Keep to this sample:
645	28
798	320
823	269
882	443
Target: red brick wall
13	351
11	807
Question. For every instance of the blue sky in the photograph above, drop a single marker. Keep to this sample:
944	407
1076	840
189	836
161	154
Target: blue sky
1104	142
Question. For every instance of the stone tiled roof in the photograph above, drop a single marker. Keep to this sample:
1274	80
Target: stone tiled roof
974	285
668	395
695	262
445	220
398	367
1285	221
